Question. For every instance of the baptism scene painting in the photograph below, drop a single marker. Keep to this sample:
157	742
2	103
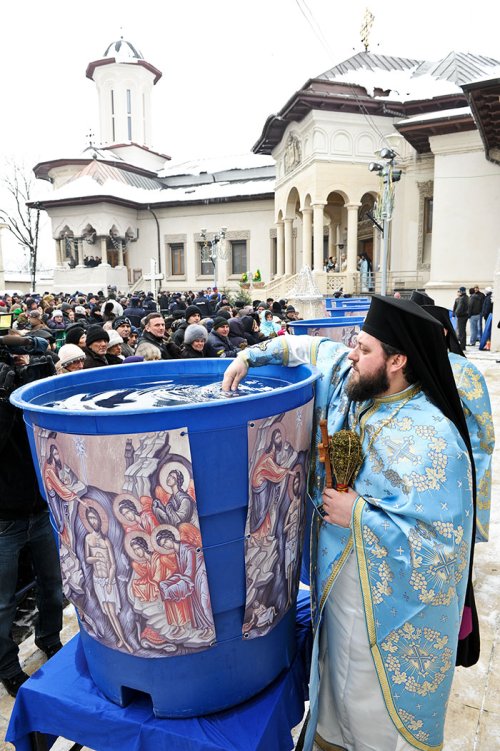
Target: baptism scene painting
278	451
347	335
129	538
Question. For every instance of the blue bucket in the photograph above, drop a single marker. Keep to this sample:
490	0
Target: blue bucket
246	648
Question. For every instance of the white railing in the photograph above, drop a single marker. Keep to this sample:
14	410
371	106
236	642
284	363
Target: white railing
329	282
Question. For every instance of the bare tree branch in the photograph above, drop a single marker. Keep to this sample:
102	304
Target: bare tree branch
22	221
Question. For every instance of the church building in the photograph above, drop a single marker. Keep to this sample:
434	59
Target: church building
375	143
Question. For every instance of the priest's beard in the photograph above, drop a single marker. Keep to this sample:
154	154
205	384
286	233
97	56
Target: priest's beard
360	388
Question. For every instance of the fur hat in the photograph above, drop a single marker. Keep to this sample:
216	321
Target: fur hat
96	334
195	331
114	338
70	353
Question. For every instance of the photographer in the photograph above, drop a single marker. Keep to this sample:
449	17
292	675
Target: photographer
24	516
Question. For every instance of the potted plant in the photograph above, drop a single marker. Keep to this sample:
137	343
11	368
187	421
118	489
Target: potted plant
257	279
244	283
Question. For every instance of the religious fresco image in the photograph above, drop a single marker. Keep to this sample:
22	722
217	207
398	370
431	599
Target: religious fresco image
278	452
344	334
129	539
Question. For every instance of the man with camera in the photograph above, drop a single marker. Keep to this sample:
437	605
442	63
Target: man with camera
24	516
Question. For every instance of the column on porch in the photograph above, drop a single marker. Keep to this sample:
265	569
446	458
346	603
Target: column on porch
104	250
307	217
331	240
60	248
352	244
120	253
318	216
280	248
79	250
288	247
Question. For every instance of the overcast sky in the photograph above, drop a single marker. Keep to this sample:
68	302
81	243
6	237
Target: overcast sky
227	65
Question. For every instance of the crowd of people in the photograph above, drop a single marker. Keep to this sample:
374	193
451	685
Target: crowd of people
418	501
96	330
474	308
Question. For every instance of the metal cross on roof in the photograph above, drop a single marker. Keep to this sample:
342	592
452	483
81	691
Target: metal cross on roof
368	19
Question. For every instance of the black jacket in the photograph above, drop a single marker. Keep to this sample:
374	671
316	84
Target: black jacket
220	346
475	304
168	350
92	360
19	493
461	306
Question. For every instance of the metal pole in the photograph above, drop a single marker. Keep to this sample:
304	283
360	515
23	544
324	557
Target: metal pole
383	261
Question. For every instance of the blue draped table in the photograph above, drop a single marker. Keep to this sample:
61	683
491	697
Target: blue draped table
61	700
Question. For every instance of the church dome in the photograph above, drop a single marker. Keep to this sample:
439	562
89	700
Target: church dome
122	51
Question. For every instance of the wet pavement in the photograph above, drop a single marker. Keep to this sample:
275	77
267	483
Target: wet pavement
473	721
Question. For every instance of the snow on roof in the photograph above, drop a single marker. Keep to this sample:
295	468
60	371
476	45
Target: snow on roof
401	85
491	76
212	165
86	187
440	115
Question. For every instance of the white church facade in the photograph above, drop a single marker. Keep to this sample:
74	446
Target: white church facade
305	194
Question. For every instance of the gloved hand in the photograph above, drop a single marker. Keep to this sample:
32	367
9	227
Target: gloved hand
7	379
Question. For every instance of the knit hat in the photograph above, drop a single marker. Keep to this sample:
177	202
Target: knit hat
70	353
224	314
218	322
195	331
34	314
74	334
191	310
80	310
120	321
96	334
57	314
461	289
114	338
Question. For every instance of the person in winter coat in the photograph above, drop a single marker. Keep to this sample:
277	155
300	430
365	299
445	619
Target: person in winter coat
195	341
154	333
461	313
237	333
218	344
192	315
251	329
114	350
95	348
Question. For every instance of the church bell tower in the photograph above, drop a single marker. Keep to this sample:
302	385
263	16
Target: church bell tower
124	81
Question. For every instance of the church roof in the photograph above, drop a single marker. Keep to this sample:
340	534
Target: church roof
484	99
104	181
124	52
380	85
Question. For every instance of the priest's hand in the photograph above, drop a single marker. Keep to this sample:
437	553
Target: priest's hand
338	506
234	374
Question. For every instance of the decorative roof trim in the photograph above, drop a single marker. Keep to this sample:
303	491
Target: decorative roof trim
110	60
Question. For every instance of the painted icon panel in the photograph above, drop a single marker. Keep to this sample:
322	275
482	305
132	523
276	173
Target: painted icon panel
129	537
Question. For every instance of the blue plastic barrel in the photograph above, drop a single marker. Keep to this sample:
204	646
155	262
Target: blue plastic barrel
354	310
345	302
339	329
233	669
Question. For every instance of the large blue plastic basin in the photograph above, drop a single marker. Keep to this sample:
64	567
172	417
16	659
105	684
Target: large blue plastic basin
235	668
